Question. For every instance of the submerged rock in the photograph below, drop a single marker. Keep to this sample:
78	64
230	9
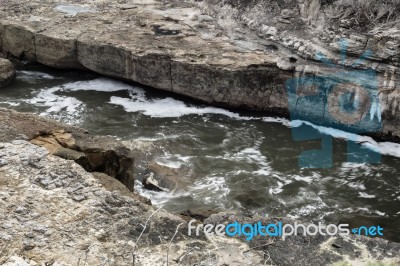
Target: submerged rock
162	178
152	184
7	72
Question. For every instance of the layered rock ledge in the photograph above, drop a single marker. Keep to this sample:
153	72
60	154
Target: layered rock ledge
93	153
54	212
230	53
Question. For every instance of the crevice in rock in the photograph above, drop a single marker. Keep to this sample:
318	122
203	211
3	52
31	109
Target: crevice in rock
34	46
112	161
170	74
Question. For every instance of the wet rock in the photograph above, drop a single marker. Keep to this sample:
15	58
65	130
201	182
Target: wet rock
7	72
163	178
152	184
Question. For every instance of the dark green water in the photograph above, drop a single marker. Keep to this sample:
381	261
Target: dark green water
228	160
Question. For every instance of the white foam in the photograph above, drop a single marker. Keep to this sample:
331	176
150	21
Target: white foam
13	104
213	182
100	84
363	209
389	148
279	120
254	156
307	179
358	186
173	161
167	107
278	189
366	195
386	148
211	189
154	139
158	198
55	102
306	203
71	105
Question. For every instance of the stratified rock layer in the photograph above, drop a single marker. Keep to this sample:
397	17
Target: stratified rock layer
228	53
94	153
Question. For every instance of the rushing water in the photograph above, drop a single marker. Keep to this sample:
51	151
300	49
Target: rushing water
227	160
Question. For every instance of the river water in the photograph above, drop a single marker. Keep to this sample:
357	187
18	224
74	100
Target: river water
228	160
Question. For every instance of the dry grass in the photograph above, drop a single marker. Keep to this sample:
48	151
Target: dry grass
364	14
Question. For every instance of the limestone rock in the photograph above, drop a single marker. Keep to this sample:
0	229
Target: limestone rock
114	185
94	153
7	72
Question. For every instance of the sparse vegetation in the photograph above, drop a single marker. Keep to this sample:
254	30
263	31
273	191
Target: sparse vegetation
364	14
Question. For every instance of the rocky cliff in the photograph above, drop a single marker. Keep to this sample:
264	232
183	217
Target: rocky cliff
352	43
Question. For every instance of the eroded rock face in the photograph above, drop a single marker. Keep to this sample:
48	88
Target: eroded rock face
235	53
93	153
7	72
339	43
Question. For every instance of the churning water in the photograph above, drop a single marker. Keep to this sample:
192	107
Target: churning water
227	160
